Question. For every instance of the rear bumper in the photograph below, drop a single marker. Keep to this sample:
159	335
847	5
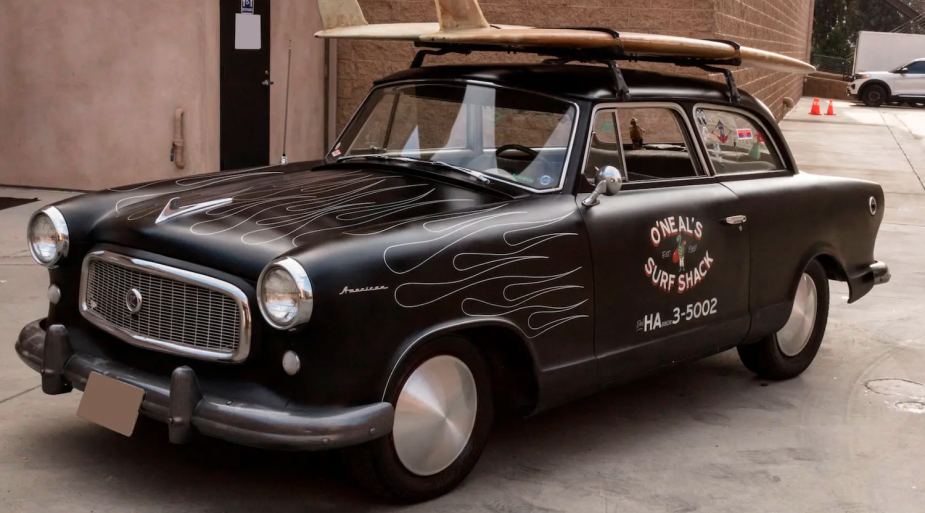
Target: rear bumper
179	402
880	273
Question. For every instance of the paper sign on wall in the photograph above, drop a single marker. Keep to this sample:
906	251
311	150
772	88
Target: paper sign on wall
247	32
247	6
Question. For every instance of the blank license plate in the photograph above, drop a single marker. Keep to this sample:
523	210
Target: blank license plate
111	403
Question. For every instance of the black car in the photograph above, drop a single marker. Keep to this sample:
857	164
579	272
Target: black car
481	239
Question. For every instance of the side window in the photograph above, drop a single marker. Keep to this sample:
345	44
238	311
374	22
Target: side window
656	144
917	67
604	149
735	143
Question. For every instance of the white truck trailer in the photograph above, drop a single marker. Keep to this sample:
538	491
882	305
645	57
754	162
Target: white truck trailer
886	51
889	69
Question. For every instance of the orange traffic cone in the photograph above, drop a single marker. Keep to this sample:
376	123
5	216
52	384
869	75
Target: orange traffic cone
831	111
815	111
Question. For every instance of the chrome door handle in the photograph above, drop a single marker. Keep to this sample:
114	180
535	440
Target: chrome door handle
734	220
267	83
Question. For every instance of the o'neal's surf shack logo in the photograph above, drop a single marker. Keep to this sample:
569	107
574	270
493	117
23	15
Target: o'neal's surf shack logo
679	265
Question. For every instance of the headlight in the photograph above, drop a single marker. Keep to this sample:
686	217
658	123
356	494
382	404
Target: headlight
48	236
285	294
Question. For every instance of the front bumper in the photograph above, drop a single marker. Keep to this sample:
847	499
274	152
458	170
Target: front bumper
852	93
179	402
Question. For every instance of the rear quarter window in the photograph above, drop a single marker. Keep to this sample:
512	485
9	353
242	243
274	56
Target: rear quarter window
735	142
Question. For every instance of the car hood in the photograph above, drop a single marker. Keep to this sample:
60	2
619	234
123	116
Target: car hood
238	222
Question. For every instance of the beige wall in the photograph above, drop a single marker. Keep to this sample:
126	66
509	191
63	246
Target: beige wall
779	25
298	20
88	89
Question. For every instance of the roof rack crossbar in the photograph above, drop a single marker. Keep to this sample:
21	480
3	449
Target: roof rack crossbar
734	96
422	54
623	90
729	42
607	56
612	32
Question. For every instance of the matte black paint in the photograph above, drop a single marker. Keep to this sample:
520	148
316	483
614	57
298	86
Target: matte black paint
401	253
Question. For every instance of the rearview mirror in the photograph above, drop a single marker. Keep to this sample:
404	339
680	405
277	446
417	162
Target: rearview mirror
608	183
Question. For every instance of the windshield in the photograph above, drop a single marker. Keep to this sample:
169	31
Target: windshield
514	136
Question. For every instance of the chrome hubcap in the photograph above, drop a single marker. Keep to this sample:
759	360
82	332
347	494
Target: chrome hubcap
435	415
795	334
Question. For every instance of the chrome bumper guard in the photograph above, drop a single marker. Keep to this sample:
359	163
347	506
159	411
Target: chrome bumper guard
881	273
179	401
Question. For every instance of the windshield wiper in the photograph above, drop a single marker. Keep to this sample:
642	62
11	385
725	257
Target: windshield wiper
475	174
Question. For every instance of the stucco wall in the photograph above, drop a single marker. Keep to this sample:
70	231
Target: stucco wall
88	89
781	26
298	20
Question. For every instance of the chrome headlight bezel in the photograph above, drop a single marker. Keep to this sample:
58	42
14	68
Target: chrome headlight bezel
303	284
63	244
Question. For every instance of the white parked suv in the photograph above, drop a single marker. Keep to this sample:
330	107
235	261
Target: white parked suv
903	84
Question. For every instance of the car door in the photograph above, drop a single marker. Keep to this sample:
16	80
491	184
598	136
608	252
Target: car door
670	256
912	82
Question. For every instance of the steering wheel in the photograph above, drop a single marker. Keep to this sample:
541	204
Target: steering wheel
541	165
517	147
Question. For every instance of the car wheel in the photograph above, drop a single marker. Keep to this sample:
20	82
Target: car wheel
874	95
917	105
787	353
443	415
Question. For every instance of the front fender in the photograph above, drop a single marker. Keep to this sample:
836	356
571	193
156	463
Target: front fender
521	265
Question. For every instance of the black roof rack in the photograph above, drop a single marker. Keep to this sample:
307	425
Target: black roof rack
608	56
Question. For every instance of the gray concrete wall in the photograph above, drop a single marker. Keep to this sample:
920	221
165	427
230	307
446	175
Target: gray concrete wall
88	90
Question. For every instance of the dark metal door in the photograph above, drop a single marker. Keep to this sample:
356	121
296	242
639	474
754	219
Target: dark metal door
670	275
245	90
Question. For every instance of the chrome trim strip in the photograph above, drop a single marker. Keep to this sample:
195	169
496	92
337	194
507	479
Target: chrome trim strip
754	119
568	152
642	105
306	295
64	241
164	271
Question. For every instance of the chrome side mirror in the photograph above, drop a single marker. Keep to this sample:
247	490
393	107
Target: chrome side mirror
609	182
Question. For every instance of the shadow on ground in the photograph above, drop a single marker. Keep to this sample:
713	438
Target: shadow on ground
225	477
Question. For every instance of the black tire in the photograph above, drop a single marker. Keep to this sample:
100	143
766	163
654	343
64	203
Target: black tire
766	359
376	464
917	105
874	95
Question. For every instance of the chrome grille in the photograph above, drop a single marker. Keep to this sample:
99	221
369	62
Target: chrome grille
181	312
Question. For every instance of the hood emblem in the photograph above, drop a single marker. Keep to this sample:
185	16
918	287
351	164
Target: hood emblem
173	208
348	290
133	300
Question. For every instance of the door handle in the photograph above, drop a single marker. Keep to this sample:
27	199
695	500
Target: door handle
735	220
267	82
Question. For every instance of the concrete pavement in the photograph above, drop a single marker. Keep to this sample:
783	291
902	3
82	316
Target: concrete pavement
707	436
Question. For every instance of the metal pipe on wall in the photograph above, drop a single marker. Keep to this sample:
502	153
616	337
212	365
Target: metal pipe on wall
179	159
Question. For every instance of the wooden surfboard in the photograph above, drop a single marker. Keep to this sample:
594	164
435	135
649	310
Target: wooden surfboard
461	22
